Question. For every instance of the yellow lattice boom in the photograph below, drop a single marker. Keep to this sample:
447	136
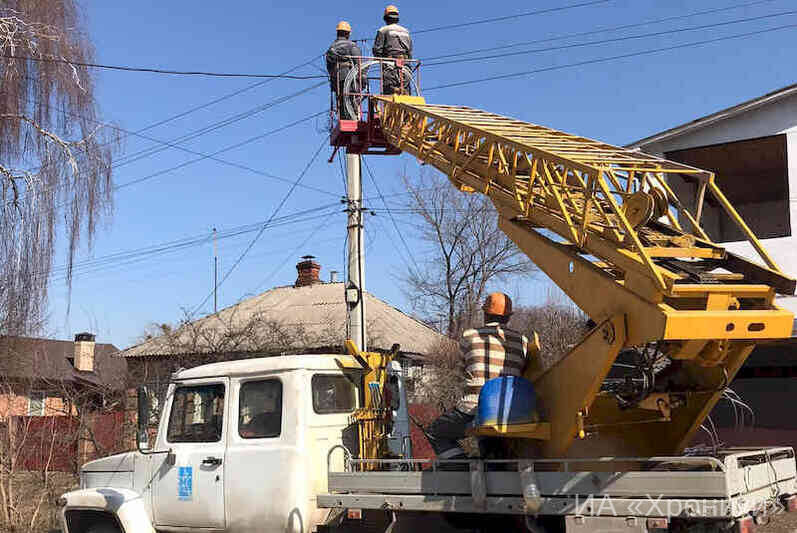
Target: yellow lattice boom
606	225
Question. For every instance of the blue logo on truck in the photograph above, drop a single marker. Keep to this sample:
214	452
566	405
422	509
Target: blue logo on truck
185	482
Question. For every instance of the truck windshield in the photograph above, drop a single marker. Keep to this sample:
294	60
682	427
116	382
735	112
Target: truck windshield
197	414
332	394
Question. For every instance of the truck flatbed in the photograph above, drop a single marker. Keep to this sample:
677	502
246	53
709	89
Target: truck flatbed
735	483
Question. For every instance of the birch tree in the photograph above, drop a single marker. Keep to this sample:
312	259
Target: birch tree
55	157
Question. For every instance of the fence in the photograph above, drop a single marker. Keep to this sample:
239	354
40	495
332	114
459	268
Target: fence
61	443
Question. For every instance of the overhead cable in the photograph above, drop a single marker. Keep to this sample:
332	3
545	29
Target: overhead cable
139	133
602	30
606	41
607	59
390	214
295	251
128	257
511	17
163	71
225	149
265	226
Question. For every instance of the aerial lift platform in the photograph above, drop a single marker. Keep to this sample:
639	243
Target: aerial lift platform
679	311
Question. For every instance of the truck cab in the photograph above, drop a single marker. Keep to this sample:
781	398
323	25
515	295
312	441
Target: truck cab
241	446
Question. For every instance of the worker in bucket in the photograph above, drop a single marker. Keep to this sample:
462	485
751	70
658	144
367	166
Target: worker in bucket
342	57
393	42
491	351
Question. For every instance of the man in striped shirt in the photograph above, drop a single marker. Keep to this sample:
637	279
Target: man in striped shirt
490	352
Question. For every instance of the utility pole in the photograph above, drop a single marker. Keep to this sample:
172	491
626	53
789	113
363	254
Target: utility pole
215	274
355	282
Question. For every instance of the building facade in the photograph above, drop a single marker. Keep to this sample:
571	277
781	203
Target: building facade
752	149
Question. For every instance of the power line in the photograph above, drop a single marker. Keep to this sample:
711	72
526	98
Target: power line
390	213
207	129
295	251
225	97
138	255
163	71
225	149
606	59
171	143
613	40
511	17
603	30
263	228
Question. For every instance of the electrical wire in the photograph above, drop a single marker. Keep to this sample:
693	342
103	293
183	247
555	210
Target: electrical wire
511	17
602	30
202	131
265	226
607	59
171	143
153	250
217	152
607	41
163	71
324	223
392	218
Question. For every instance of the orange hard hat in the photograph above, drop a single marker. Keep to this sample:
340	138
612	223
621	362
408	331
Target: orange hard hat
498	304
391	9
343	26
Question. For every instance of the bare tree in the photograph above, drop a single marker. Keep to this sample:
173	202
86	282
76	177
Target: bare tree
55	157
560	326
466	252
38	453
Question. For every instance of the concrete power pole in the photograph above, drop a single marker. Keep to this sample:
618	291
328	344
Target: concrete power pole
355	282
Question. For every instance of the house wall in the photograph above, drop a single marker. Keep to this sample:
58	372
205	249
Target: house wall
15	402
774	119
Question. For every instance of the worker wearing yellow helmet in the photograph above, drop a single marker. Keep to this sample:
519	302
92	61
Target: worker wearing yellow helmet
393	41
342	56
489	352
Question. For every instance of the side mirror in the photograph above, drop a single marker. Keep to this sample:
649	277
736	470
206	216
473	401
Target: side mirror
142	433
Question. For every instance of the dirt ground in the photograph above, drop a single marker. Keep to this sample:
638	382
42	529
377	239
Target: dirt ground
782	523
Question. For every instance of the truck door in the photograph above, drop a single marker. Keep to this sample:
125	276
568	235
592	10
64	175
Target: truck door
189	485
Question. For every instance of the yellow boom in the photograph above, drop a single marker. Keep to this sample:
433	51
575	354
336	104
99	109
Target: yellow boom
605	224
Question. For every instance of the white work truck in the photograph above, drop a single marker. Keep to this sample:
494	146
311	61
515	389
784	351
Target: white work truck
258	446
241	446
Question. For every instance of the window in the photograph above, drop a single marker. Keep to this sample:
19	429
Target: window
260	409
333	394
197	414
36	401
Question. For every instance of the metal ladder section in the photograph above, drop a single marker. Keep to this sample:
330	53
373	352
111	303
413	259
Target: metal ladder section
607	203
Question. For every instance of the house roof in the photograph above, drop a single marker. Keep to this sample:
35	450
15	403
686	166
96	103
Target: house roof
713	118
32	358
290	319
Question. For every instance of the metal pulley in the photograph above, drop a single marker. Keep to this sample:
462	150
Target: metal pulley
642	207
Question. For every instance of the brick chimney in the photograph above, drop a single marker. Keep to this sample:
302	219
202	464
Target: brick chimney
84	352
308	271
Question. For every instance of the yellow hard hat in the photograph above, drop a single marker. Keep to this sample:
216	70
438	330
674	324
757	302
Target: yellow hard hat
498	304
391	9
343	26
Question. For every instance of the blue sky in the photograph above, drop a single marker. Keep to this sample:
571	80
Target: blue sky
616	101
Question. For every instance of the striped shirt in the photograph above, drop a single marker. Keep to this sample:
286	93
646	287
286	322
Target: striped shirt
490	352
